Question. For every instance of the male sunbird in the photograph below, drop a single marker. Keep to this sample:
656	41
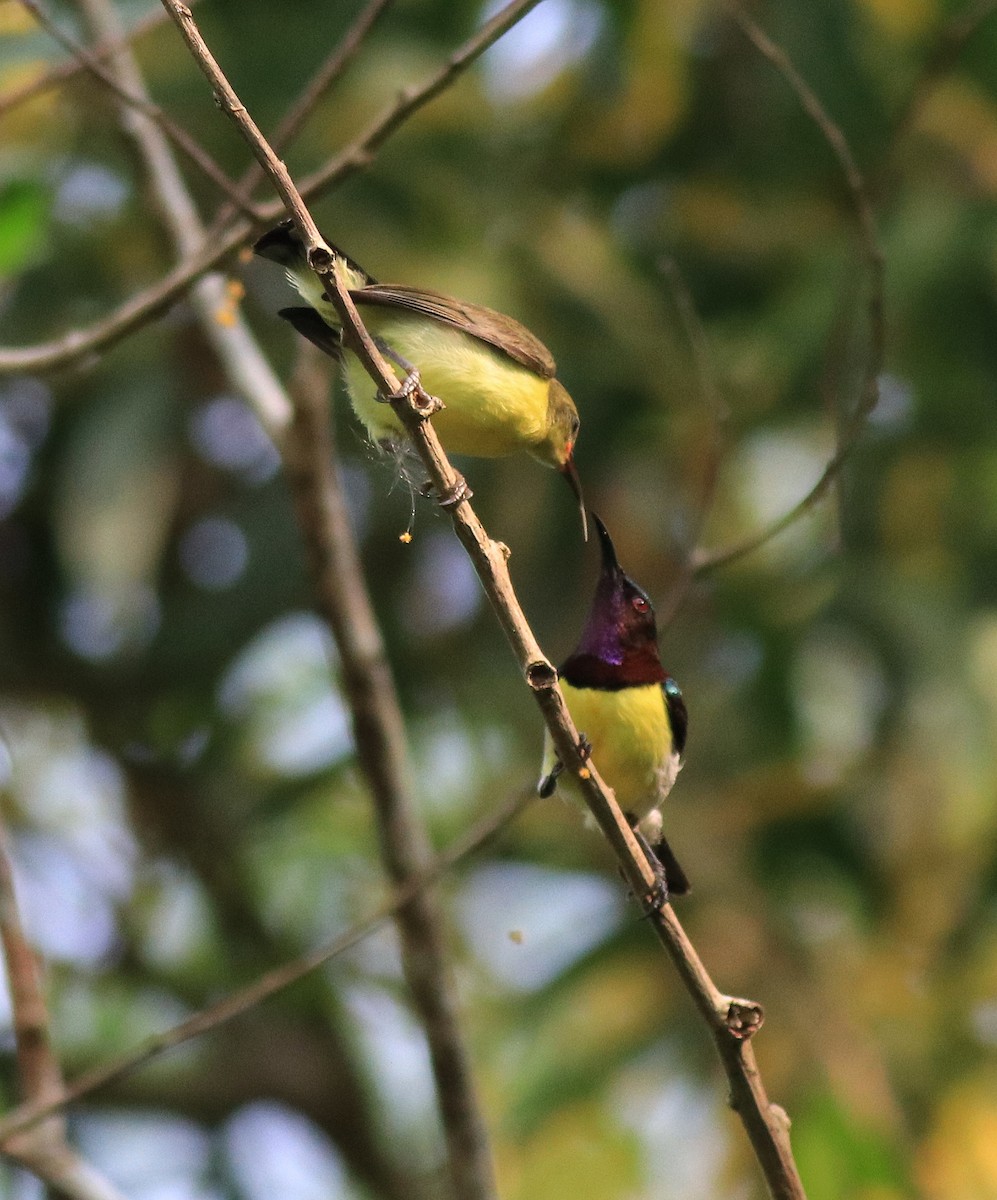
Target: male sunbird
627	706
497	380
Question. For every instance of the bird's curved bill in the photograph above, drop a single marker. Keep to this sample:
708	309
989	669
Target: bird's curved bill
570	473
610	563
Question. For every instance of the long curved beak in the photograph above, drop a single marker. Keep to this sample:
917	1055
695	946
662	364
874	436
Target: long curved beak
570	473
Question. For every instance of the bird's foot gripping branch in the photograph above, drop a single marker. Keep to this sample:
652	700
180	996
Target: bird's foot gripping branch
412	390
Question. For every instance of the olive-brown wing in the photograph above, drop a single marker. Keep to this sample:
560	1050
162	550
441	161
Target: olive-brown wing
494	328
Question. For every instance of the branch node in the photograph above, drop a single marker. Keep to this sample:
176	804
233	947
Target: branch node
457	493
743	1018
780	1118
320	259
540	675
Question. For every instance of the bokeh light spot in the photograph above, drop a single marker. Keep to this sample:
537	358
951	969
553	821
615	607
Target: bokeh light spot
214	553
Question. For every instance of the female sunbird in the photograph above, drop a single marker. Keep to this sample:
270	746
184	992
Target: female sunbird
495	378
627	706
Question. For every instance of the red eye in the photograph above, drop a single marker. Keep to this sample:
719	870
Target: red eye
640	604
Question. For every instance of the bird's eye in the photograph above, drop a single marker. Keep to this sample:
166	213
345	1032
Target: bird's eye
640	604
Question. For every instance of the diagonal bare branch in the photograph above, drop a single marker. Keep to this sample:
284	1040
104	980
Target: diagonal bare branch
328	73
412	98
732	1022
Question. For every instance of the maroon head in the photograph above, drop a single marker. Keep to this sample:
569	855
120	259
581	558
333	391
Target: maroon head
619	644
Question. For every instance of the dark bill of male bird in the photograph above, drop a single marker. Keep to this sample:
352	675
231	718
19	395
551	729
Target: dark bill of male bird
628	707
496	379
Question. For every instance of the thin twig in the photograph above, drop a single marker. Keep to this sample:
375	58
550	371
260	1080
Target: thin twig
719	413
953	36
872	255
141	103
81	345
692	326
328	73
732	1022
268	985
379	733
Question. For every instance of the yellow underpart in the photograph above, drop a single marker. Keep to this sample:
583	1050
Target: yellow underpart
309	287
494	406
631	742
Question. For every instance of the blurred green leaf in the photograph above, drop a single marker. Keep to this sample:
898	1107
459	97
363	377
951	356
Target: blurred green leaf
841	1157
23	212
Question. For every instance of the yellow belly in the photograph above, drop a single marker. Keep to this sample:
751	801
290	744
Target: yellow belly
631	742
494	406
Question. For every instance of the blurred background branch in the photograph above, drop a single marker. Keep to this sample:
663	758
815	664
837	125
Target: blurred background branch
852	424
221	320
43	1148
123	65
379	732
44	1102
56	76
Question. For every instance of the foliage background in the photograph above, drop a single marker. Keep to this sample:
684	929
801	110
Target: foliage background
177	766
